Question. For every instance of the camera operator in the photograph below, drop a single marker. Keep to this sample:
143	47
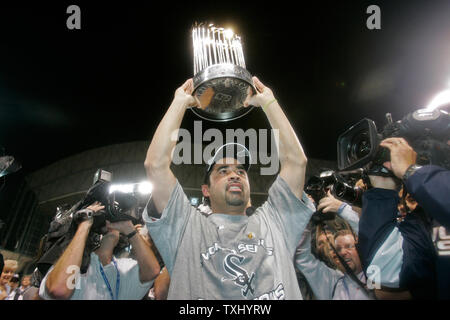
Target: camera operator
429	185
106	277
399	251
328	283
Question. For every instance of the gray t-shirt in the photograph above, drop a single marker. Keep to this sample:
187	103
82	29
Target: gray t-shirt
224	256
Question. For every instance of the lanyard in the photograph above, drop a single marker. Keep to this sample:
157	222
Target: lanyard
346	289
107	282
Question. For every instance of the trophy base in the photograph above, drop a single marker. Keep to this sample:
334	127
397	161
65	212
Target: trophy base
221	90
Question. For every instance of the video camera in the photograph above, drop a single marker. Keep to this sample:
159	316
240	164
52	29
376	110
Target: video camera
427	132
340	187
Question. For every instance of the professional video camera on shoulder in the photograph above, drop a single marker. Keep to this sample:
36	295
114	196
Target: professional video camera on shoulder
427	131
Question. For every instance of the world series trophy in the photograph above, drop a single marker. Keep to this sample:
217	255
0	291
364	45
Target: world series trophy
221	82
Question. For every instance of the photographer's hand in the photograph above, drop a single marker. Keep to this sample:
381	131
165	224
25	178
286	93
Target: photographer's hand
124	227
96	206
87	221
329	204
402	155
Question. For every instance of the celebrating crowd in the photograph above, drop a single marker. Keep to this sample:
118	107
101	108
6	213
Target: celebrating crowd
228	249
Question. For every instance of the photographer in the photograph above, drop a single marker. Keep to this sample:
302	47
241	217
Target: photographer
343	209
328	283
106	277
399	252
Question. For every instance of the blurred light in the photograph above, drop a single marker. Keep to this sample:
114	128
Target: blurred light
8	165
125	188
441	99
229	33
145	187
195	201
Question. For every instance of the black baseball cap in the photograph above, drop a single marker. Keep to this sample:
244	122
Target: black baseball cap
230	150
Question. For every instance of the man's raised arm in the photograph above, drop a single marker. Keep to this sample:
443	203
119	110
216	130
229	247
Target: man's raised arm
292	158
59	280
159	154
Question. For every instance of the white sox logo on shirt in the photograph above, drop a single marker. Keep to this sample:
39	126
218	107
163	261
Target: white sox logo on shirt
233	260
241	276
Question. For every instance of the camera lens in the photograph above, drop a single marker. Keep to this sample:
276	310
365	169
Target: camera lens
347	193
339	189
359	146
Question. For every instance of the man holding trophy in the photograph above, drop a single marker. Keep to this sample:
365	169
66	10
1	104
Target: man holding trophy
227	255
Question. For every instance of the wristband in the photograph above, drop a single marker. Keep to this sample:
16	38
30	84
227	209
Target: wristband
131	234
268	104
341	207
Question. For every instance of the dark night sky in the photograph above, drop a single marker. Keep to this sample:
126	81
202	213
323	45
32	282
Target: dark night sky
65	91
